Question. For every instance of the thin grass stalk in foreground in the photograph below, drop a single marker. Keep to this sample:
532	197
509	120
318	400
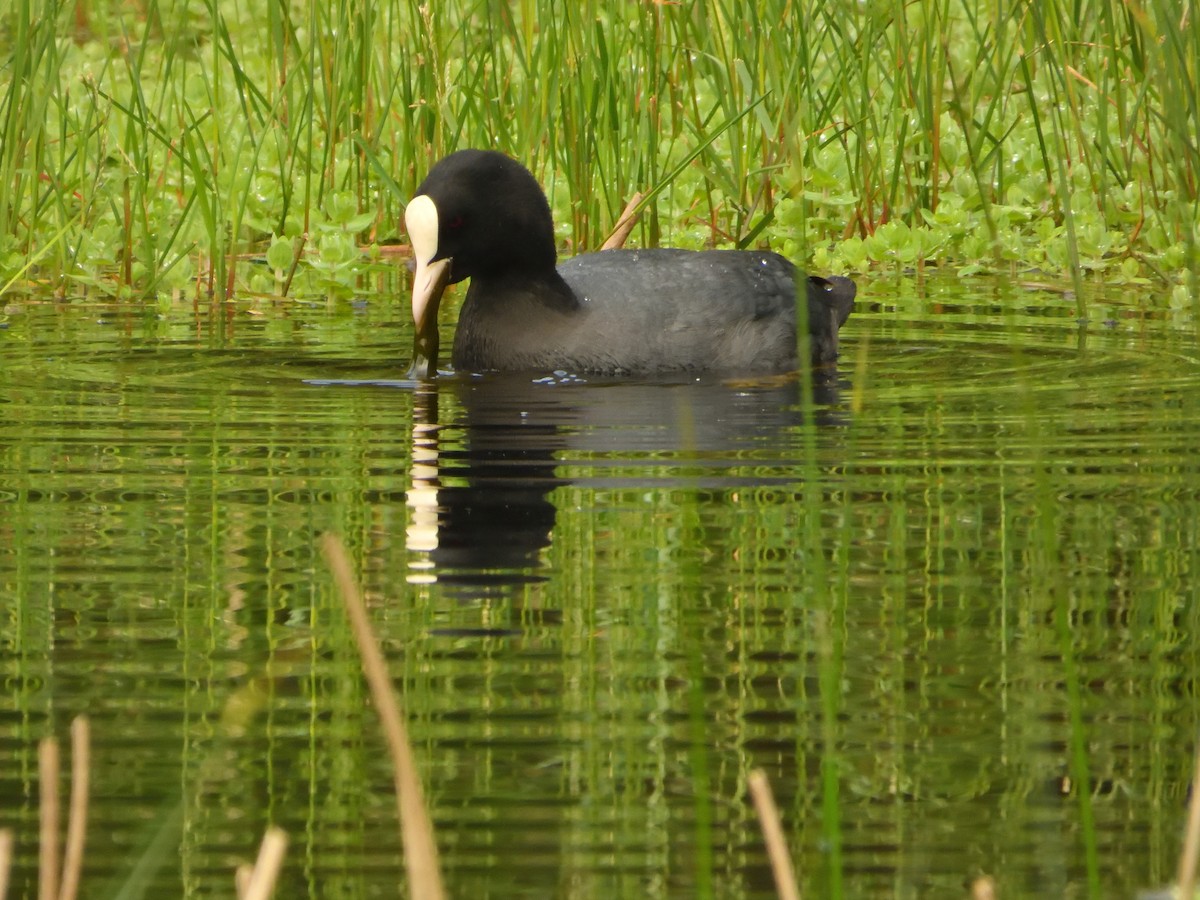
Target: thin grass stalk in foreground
1079	765
77	815
261	882
420	850
698	762
829	679
48	812
6	855
1191	841
158	842
777	852
828	615
1046	571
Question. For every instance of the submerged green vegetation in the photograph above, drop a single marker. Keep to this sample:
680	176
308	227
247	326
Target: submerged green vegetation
220	147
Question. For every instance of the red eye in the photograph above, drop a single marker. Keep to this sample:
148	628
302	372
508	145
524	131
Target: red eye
455	223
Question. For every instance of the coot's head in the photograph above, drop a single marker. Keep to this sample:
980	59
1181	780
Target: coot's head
478	214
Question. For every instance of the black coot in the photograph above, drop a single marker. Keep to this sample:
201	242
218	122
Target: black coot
483	216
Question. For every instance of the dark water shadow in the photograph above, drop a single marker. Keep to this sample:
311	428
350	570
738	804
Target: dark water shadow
483	476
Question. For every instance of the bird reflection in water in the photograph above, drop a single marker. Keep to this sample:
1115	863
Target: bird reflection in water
482	496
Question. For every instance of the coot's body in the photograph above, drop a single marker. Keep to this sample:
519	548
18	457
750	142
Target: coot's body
481	215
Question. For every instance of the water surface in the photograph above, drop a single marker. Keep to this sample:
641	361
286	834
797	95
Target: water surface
946	600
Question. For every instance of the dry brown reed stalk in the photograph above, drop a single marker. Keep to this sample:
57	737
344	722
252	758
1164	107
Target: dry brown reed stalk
777	852
77	815
1191	841
6	854
416	828
48	819
262	879
620	232
241	879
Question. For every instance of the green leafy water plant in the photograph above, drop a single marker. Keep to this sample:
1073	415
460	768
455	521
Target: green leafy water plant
978	135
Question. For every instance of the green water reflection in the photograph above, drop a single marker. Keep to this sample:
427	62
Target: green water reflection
606	603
